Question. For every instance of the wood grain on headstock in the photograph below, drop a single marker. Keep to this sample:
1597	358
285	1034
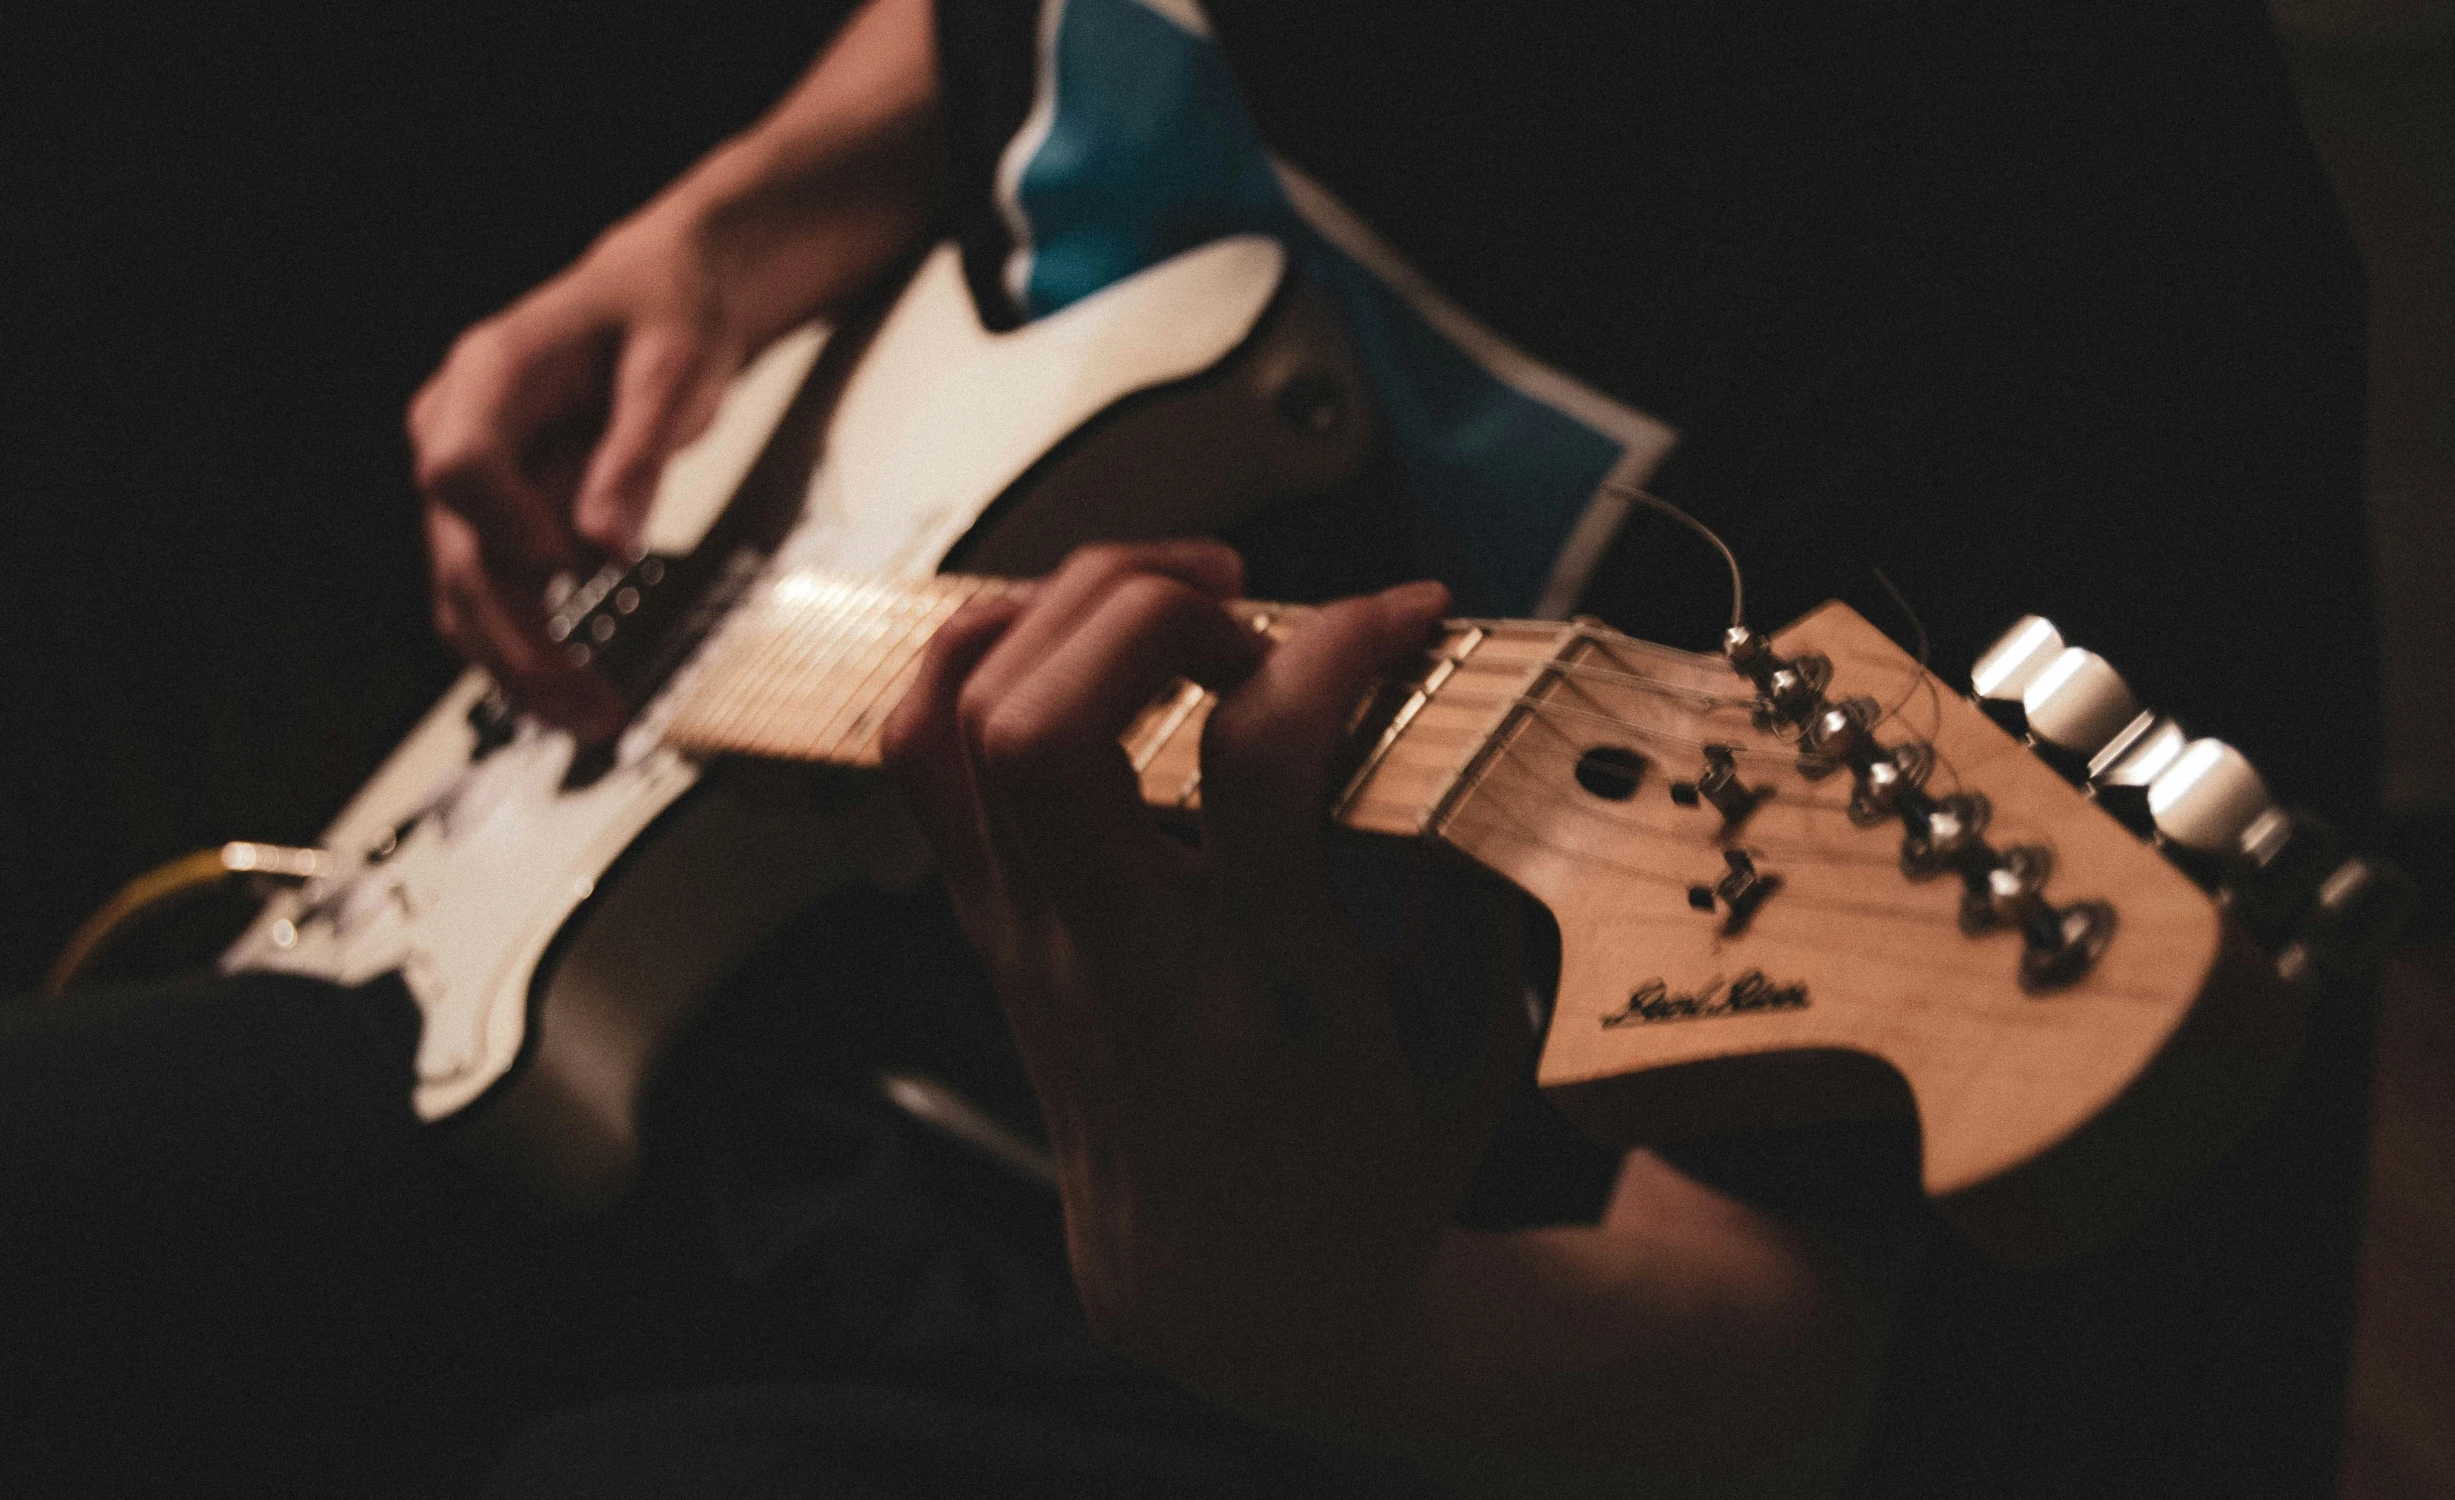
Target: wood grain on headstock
1868	986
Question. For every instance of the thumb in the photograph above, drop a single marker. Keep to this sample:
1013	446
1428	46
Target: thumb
668	384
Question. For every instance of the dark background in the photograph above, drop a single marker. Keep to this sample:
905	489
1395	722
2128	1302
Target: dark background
232	245
233	242
236	239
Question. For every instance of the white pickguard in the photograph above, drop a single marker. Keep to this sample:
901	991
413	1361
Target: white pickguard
938	419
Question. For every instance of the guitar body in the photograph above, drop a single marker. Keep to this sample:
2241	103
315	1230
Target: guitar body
560	918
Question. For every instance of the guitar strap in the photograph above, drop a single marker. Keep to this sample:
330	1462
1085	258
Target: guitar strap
1135	146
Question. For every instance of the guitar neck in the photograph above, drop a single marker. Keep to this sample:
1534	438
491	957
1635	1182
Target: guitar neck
809	666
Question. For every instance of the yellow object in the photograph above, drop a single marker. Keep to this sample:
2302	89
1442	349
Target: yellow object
166	885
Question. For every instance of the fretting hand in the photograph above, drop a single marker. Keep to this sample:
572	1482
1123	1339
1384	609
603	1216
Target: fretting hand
1259	1199
1253	1184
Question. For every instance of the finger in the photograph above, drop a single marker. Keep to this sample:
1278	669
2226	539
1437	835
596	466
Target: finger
1069	595
1056	778
667	387
475	613
922	746
1267	752
471	427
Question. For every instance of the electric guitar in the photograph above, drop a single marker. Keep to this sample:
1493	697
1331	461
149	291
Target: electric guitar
1799	881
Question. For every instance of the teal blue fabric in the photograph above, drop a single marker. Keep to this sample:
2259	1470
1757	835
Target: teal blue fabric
1150	152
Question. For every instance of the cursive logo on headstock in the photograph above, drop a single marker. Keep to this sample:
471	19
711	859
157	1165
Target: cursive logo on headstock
1748	994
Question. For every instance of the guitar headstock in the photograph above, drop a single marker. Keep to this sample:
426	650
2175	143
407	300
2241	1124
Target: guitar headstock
1825	885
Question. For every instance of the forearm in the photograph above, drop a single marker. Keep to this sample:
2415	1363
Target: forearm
1687	1333
1582	1344
800	212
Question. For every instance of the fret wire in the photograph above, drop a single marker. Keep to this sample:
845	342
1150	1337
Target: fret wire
1406	715
1182	759
709	696
745	670
789	671
1188	697
860	700
817	638
826	684
863	749
1179	753
788	621
691	702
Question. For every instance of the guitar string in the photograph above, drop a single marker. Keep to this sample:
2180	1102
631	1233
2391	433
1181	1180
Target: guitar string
1636	495
1772	846
1549	714
903	615
829	630
1517	825
859	627
778	660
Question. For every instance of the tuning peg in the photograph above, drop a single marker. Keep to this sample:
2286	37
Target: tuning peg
2075	706
2203	803
2120	774
2275	874
2360	912
2003	672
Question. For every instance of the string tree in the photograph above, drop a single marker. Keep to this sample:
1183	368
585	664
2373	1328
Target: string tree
1719	785
1741	890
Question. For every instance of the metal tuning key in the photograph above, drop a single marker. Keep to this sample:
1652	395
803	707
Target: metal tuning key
1788	693
2075	707
2200	806
2120	775
2281	871
2002	675
2353	923
2068	701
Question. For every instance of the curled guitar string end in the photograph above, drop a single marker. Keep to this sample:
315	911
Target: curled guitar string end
1730	559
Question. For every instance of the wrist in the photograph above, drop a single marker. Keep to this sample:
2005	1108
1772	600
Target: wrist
801	213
